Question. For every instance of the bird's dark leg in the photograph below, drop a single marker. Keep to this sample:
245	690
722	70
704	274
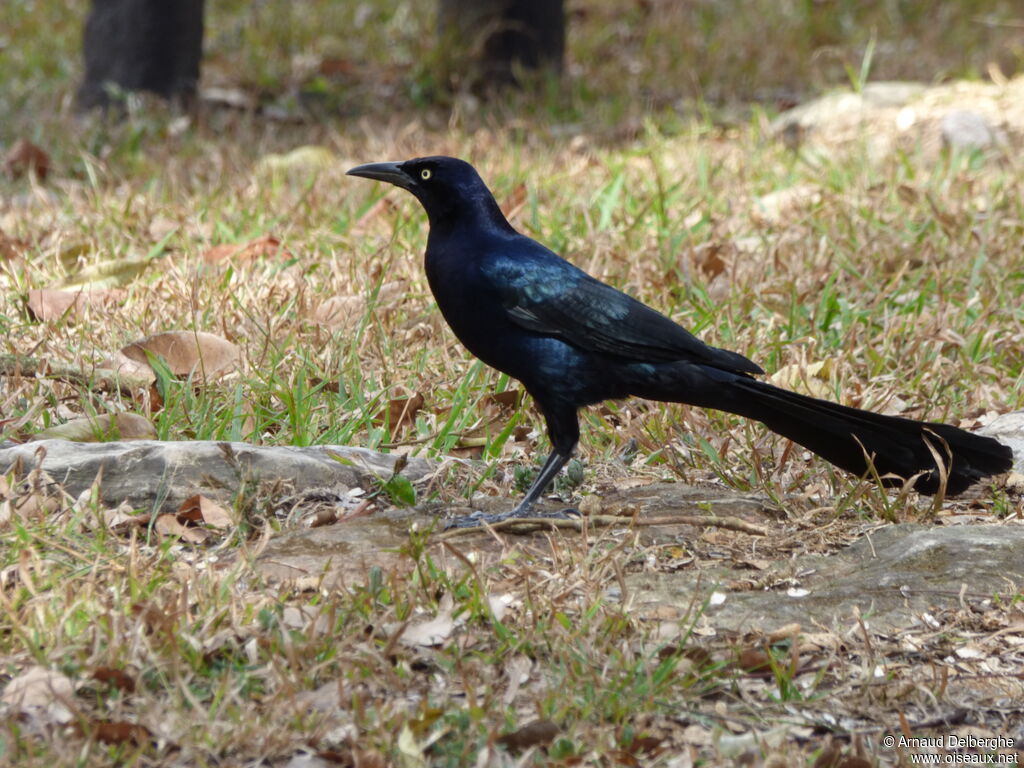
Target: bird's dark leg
552	466
564	431
547	474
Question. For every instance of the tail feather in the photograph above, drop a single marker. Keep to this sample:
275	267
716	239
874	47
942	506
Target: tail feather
897	446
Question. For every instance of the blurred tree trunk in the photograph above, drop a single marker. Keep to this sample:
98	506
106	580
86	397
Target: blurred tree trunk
488	40
142	45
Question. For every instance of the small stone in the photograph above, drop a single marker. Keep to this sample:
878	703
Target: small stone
963	129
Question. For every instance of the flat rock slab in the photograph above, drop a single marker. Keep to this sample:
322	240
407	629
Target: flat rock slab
892	576
152	475
342	554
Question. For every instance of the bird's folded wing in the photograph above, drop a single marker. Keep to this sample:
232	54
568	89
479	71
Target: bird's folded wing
560	300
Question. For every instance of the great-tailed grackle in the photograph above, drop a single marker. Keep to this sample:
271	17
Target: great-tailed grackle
574	341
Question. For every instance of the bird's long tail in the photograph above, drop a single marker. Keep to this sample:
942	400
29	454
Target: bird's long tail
847	436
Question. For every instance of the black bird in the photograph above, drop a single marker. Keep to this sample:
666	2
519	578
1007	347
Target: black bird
574	341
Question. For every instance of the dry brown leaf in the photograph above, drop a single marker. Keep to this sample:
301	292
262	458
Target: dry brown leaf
115	678
784	204
308	619
789	631
114	732
470	452
354	757
198	508
157	618
401	412
186	352
340	311
34	504
374	212
41	692
754	660
161	226
514	203
168	525
25	157
129	372
261	247
707	258
324	516
829	756
535	734
48	304
11	247
504	403
345	311
332	66
429	633
101	429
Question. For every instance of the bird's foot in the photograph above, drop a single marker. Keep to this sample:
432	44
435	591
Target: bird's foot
478	519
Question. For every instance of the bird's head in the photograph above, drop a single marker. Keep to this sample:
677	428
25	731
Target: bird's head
449	189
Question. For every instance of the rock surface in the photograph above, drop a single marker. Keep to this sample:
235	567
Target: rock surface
152	475
892	116
964	129
1009	430
892	577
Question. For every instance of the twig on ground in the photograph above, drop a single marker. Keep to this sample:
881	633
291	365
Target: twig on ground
524	525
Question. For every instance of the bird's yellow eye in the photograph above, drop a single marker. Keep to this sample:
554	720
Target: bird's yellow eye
425	174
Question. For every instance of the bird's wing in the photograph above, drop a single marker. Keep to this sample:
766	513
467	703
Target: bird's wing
546	294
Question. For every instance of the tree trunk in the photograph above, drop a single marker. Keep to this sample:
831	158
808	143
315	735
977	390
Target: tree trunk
142	45
488	41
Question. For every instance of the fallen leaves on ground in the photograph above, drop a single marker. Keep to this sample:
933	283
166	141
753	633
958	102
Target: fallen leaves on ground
101	429
199	509
28	499
25	157
114	732
513	205
400	412
51	304
11	247
428	633
42	693
784	204
538	733
345	311
240	253
192	514
375	213
114	677
197	354
169	525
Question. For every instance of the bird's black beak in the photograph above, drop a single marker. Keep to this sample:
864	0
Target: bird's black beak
392	173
